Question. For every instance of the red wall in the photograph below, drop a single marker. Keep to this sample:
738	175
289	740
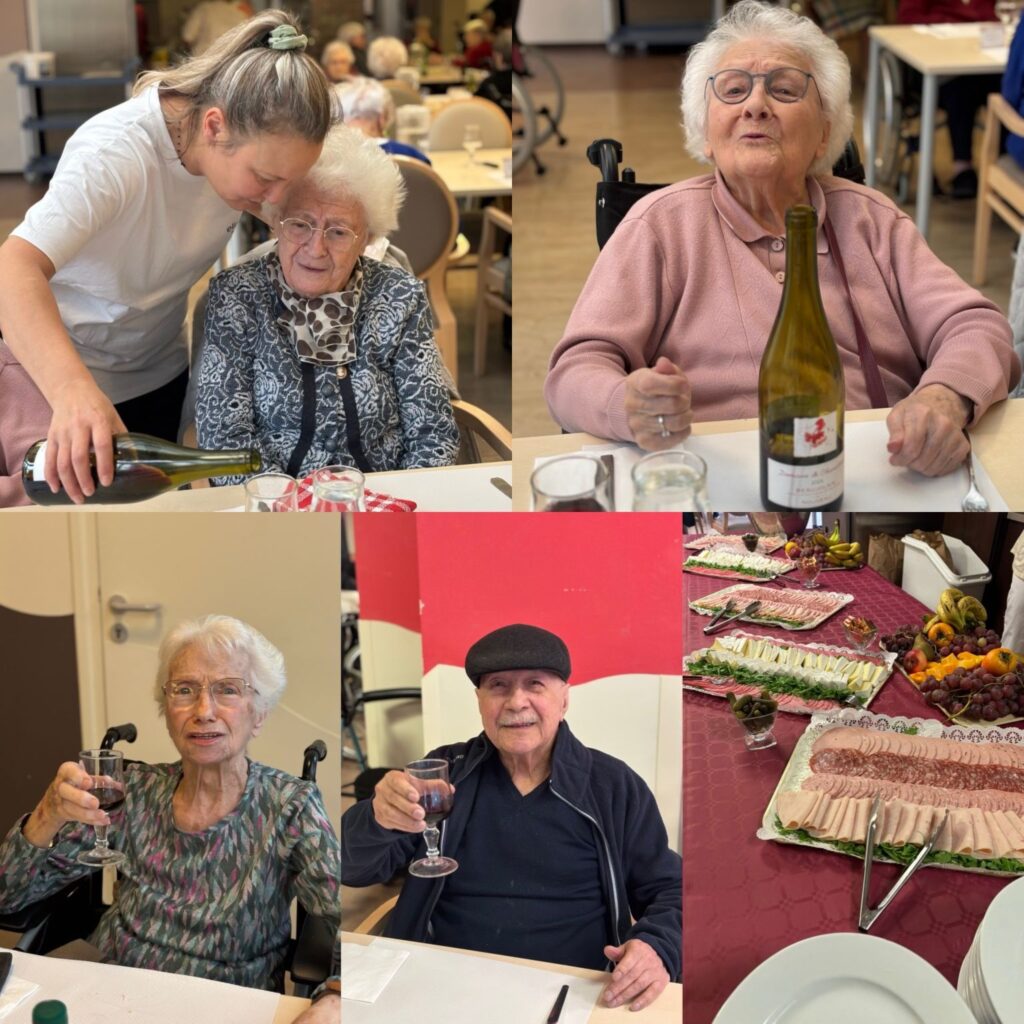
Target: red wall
386	568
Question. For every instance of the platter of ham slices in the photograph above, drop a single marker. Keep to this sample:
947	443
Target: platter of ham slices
734	542
919	768
788	609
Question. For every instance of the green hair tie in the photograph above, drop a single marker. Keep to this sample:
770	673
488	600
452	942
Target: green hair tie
285	37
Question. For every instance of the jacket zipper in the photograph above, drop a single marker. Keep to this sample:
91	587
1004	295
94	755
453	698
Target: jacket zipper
608	859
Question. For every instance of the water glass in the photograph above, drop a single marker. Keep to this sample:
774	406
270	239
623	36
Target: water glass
338	489
472	140
271	492
670	482
572	483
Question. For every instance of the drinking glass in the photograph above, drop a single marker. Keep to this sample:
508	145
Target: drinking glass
1008	12
271	492
670	482
471	141
107	770
430	777
337	489
572	483
809	566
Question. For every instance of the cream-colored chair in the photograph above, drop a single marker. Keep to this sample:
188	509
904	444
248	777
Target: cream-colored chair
1000	182
449	125
427	228
373	923
476	425
493	281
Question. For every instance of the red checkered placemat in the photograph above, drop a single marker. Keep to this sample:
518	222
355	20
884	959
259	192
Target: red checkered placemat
374	502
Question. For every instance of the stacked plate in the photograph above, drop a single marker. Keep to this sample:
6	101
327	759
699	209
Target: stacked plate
990	978
846	978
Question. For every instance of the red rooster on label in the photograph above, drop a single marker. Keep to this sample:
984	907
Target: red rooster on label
813	440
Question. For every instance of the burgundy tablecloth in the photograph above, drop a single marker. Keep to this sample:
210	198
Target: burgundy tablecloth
745	898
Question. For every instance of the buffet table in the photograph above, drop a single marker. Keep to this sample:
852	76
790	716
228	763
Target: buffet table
746	898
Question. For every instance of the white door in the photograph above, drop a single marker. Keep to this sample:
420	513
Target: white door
281	574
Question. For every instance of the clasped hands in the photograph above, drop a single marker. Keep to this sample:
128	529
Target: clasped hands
925	428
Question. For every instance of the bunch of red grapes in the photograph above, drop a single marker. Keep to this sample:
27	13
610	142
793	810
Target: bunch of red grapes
901	640
975	641
976	694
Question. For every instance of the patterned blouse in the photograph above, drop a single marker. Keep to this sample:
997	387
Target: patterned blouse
215	903
249	392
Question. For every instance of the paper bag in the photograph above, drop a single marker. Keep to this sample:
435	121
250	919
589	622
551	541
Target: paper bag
885	556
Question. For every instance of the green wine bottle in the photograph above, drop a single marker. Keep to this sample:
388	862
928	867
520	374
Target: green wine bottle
800	390
144	467
52	1011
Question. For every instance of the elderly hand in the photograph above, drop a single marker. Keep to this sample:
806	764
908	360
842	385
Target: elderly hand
326	1010
83	420
639	976
66	799
396	803
658	405
926	430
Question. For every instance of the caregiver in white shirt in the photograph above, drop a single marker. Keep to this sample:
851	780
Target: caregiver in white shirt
146	194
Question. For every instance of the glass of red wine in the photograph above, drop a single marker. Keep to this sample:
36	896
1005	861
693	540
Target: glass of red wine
430	777
107	770
572	483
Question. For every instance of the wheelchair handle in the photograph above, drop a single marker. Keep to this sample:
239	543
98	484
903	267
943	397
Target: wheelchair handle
118	733
316	751
606	154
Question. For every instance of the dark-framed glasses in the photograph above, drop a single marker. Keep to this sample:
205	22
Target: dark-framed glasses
225	693
337	238
787	85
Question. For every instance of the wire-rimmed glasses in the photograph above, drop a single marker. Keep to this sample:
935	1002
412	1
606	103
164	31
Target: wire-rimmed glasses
337	237
787	85
225	693
107	770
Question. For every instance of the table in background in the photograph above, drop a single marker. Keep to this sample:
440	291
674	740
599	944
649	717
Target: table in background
744	898
441	76
157	996
666	1009
935	57
996	441
447	489
473	179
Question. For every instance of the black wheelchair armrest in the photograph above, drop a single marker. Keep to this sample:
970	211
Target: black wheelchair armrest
71	913
314	949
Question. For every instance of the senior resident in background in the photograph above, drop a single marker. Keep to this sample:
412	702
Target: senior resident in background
316	354
367	105
385	56
562	851
217	845
674	318
354	34
338	62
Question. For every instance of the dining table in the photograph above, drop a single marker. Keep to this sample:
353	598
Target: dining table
995	441
468	488
481	177
746	898
451	963
97	993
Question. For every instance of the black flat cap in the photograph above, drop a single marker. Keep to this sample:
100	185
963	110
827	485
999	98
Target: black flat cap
518	646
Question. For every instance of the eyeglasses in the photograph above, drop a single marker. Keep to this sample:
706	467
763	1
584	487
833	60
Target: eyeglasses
225	693
787	85
336	238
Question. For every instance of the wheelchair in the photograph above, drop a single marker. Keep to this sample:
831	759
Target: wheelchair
75	911
616	195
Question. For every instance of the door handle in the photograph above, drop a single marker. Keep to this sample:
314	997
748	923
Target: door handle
119	606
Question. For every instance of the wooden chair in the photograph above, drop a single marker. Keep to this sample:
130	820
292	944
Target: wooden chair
476	424
1000	182
427	228
449	125
373	923
491	279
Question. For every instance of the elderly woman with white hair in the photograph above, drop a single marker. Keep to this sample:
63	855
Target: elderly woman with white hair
216	845
338	59
385	56
316	354
367	105
676	313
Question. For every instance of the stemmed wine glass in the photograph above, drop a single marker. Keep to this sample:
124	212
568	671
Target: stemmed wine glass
430	777
107	770
471	141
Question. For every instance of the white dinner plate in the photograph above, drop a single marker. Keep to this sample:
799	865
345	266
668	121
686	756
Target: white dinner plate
1001	949
844	978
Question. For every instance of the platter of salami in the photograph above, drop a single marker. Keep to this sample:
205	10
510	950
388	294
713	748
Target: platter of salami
734	542
789	608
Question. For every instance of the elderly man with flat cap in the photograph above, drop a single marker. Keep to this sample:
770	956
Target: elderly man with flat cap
562	852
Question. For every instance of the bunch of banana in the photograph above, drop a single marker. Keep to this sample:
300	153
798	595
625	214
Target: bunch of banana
837	552
959	610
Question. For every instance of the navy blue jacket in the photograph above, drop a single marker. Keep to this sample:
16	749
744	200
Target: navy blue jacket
641	877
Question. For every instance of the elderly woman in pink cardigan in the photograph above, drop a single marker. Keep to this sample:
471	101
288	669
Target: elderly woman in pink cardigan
671	324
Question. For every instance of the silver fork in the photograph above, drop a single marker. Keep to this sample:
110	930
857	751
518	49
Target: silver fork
974	500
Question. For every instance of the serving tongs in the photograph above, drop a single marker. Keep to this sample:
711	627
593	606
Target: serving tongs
869	915
715	625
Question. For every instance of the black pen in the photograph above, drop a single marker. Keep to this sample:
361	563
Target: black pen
556	1010
487	163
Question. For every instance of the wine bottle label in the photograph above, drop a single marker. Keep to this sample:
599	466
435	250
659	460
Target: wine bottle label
805	487
815	435
39	466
